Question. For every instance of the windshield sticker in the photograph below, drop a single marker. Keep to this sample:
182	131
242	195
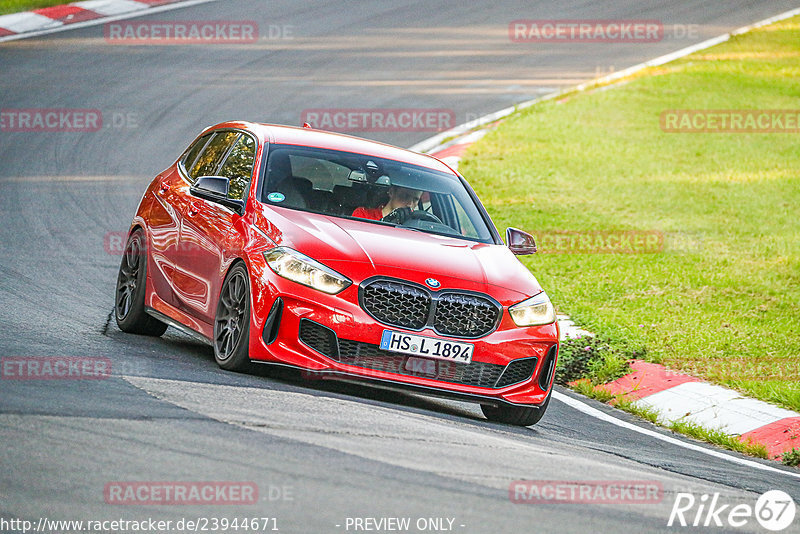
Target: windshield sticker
276	197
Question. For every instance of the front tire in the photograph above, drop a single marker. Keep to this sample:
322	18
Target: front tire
129	299
232	321
516	415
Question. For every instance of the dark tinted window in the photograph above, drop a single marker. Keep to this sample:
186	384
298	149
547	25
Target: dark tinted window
208	161
238	167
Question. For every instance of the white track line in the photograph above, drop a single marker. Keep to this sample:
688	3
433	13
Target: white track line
97	22
433	142
569	401
594	412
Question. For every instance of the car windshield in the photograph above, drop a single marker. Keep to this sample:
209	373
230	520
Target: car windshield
376	190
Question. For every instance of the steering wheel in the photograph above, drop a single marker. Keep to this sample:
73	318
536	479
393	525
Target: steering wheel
421	215
402	215
398	216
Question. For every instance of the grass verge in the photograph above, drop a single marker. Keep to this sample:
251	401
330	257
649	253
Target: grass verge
719	438
589	362
720	297
791	458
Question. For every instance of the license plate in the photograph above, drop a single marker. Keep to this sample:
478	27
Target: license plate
428	347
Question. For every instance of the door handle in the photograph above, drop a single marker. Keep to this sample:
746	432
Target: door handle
194	209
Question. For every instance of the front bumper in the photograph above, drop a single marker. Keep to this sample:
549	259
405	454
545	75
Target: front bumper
332	336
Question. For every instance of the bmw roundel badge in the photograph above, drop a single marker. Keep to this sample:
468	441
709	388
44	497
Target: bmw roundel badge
433	283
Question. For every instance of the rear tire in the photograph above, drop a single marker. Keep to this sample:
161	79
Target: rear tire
129	297
232	321
516	415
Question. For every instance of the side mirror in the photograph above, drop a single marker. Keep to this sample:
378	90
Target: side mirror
213	184
215	189
520	243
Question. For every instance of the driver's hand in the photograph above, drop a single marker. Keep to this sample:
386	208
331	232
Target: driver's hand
398	216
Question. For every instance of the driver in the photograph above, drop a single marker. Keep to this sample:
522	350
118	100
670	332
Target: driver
399	197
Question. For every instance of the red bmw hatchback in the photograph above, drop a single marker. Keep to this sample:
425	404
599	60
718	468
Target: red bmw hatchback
341	257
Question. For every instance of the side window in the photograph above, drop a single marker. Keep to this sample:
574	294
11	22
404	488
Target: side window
209	160
238	167
191	153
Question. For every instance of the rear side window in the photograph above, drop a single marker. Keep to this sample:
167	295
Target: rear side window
238	166
208	161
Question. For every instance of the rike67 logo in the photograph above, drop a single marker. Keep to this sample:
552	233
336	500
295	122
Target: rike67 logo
774	511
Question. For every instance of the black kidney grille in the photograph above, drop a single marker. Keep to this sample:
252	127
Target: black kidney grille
397	304
408	306
371	356
517	371
464	315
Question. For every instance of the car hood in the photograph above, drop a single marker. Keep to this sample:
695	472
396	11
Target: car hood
360	250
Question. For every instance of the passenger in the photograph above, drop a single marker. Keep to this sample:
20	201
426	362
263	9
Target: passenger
399	197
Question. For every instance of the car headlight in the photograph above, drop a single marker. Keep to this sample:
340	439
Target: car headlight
536	310
299	268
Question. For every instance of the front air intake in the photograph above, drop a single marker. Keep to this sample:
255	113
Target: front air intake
320	338
548	368
273	322
517	371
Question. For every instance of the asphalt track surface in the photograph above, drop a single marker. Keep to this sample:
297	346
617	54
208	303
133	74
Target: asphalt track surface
320	452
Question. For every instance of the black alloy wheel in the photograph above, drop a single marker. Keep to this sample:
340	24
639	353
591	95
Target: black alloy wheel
232	322
129	297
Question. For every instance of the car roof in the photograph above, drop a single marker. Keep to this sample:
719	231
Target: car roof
290	135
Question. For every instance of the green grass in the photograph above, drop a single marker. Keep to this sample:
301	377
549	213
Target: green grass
722	299
585	387
15	6
791	458
720	438
593	358
642	411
